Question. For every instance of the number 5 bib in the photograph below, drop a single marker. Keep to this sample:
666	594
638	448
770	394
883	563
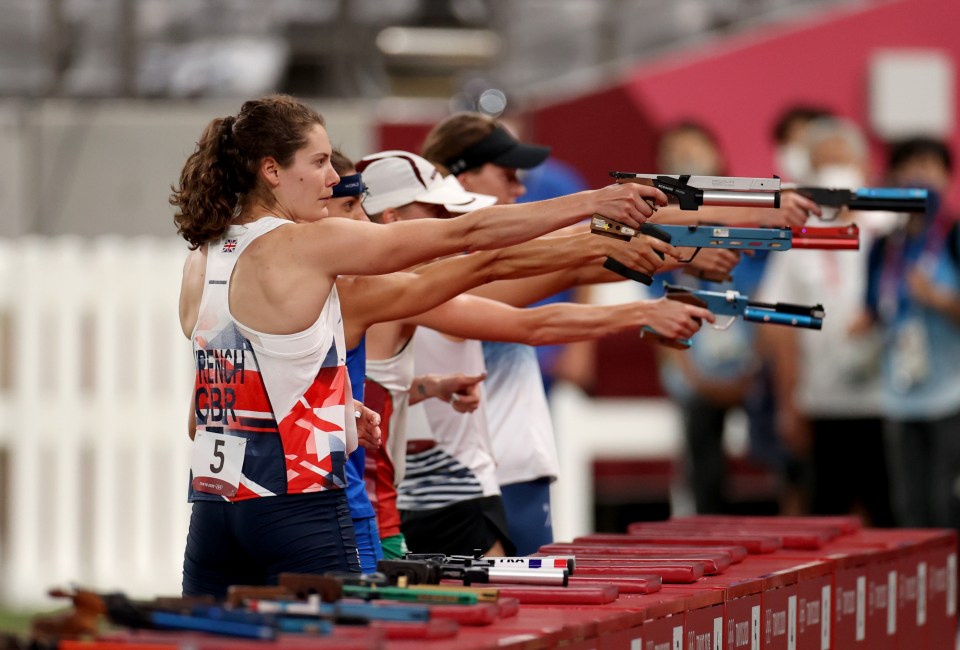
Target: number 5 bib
217	463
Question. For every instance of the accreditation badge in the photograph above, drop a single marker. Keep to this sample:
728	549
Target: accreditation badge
217	463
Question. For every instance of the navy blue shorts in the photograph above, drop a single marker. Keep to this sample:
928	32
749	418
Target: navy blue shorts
527	505
251	542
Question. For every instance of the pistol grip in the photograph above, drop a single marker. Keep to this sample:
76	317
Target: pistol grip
650	230
648	332
624	270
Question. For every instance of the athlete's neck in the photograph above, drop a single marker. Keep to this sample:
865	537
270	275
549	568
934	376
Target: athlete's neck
258	210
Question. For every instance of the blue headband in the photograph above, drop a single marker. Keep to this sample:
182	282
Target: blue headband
351	185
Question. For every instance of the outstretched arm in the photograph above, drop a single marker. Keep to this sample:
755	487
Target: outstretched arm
367	300
346	247
524	291
550	254
472	317
639	253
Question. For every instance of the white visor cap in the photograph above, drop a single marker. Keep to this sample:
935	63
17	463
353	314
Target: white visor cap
397	178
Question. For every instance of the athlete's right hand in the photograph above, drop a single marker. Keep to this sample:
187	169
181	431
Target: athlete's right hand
629	203
673	319
713	264
794	210
640	253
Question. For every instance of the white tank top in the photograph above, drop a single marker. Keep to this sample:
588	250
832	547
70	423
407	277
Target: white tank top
282	396
395	375
460	466
524	446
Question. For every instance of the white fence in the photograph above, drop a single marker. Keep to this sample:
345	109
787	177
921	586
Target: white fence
94	386
95	380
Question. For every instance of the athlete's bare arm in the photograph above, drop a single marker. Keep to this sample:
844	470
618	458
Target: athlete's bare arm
282	280
367	300
472	317
347	247
521	292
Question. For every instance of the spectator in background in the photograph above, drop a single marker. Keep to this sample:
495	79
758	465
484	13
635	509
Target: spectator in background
827	382
712	378
789	135
792	163
914	293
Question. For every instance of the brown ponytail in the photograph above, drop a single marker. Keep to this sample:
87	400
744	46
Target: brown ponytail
221	175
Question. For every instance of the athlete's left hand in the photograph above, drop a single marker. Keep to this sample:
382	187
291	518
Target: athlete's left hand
368	426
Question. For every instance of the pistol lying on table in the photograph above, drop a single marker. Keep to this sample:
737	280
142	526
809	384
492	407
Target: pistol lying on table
430	568
734	304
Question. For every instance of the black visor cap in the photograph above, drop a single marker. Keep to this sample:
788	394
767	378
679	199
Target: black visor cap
499	148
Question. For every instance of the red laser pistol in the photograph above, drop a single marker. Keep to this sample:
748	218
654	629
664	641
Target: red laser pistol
827	238
884	199
734	304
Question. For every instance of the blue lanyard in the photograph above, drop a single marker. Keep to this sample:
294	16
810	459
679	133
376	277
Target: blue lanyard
894	265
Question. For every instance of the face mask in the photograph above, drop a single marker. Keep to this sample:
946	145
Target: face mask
793	161
838	177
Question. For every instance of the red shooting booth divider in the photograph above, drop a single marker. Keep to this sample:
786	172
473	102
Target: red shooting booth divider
694	583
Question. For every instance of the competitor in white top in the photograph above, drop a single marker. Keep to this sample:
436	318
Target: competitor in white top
273	160
485	158
448	497
412	187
